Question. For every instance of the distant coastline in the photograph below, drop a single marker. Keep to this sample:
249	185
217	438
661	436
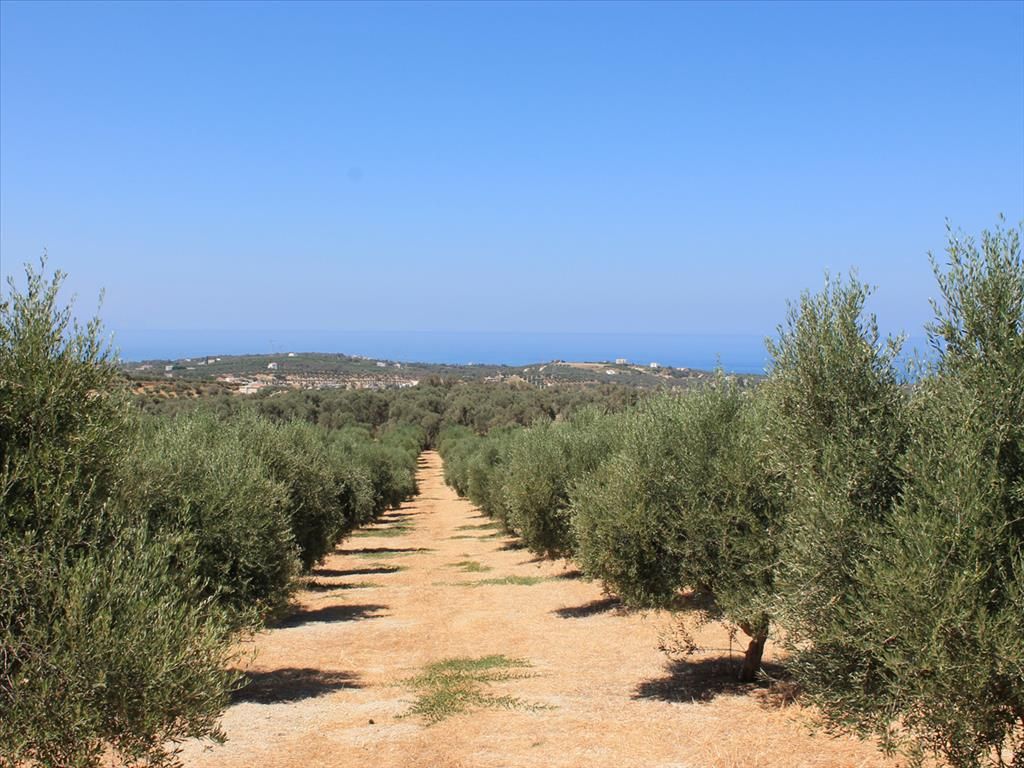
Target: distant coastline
737	353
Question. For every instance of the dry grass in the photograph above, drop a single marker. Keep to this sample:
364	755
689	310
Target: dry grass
329	683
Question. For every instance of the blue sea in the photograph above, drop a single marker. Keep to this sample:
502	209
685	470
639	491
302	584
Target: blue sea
738	353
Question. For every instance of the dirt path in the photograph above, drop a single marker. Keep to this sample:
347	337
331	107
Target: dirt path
329	684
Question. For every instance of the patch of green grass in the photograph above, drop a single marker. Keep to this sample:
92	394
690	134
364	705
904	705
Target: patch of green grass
526	581
493	535
470	566
454	686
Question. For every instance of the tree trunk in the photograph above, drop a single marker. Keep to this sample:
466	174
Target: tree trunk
752	657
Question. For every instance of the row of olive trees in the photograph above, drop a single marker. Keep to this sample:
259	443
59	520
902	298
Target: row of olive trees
134	550
870	521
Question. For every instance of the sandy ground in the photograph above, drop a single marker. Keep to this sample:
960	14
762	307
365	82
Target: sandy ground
328	682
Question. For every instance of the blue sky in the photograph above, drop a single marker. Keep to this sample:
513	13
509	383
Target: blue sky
658	167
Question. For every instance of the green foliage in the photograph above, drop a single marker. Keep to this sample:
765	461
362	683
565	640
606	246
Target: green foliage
295	456
837	429
542	463
729	518
624	513
254	502
686	502
353	488
880	524
476	467
937	623
388	465
105	648
131	554
64	422
430	409
456	446
198	478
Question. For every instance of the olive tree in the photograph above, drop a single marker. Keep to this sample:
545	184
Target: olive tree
686	502
939	616
105	647
543	462
836	431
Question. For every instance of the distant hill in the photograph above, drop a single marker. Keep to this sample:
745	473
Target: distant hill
313	370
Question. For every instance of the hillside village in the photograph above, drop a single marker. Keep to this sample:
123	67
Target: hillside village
249	374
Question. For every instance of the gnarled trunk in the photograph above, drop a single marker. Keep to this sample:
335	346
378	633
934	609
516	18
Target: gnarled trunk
758	633
752	657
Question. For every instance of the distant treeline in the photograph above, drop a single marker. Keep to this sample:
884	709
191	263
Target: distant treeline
872	525
431	406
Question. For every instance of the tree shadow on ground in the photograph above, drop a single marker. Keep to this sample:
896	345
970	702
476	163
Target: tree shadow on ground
570	575
703	679
593	608
370	569
383	550
390	516
326	586
512	546
291	684
490	526
331	614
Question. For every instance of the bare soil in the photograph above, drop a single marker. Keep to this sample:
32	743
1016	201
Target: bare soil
329	684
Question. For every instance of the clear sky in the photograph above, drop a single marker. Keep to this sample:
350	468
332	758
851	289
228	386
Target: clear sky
537	167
